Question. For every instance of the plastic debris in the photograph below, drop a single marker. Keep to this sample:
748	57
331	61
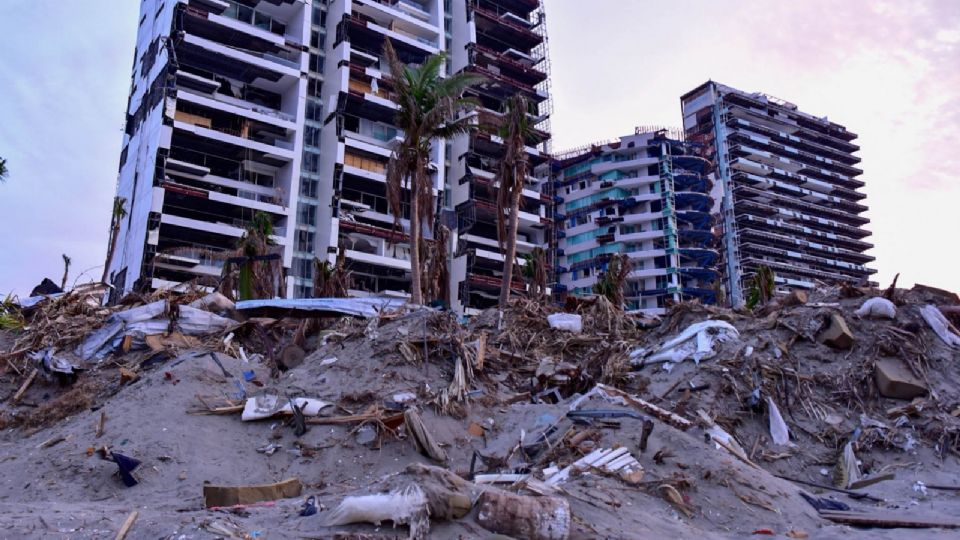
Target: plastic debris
778	428
940	325
267	406
878	307
294	307
697	342
309	507
820	503
126	465
566	321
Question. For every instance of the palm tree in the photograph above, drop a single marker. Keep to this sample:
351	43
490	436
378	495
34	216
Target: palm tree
119	212
611	283
3	170
66	271
256	281
428	105
515	130
535	272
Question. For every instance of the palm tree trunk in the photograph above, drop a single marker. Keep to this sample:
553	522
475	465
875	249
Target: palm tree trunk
114	234
510	257
416	296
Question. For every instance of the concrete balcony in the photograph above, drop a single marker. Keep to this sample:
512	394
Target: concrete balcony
238	107
284	152
261	60
224	229
400	16
601	168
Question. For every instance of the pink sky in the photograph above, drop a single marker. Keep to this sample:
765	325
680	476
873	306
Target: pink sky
889	71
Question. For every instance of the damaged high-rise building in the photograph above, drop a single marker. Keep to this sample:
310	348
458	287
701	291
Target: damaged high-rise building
789	188
286	107
646	196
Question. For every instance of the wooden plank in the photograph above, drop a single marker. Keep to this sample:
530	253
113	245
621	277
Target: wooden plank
215	496
23	388
890	520
127	525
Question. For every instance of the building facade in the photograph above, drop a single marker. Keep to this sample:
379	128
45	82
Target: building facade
284	107
213	135
648	196
789	185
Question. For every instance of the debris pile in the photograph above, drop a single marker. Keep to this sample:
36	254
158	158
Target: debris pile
331	417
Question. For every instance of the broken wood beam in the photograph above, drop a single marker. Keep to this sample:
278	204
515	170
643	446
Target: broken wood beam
889	520
660	413
216	496
23	388
852	494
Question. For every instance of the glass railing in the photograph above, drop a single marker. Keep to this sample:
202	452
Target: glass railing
253	17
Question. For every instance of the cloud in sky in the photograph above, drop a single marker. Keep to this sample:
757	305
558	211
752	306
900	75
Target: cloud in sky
65	69
888	70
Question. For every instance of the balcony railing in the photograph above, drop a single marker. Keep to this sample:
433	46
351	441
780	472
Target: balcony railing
254	17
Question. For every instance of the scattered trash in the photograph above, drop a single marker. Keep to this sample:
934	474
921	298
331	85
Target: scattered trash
269	449
920	488
267	406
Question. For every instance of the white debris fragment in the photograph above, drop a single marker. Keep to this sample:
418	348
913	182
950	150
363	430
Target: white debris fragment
566	321
697	342
940	325
878	307
778	428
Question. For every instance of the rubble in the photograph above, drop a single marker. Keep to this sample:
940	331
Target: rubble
837	334
500	424
895	381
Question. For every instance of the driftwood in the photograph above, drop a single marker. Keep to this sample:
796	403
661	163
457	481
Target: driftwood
422	438
889	520
127	525
23	388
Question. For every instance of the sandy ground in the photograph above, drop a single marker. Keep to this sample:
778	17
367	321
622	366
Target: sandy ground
61	491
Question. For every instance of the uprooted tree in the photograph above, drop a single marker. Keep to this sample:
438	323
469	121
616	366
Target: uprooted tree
428	107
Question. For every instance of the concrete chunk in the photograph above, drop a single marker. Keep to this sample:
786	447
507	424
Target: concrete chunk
837	334
895	381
